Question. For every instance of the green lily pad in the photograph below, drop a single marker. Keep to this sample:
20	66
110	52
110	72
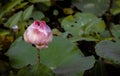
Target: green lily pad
22	54
97	7
116	31
35	70
109	50
61	54
83	25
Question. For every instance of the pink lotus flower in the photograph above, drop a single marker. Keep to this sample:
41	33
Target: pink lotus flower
39	34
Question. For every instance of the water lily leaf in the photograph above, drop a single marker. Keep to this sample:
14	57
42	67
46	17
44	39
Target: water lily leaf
97	7
20	52
27	13
14	19
116	31
109	50
61	54
83	25
35	70
56	32
76	65
87	38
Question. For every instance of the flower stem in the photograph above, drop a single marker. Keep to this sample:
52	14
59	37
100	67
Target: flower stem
38	54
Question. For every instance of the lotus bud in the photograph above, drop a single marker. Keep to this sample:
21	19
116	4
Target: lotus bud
39	34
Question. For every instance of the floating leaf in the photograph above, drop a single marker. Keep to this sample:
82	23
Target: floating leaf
13	20
109	50
22	54
61	54
35	70
77	65
116	31
97	7
83	25
27	13
56	32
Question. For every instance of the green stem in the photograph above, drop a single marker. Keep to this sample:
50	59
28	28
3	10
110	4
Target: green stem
38	54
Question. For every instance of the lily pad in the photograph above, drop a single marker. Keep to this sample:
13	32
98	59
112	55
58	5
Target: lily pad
97	7
21	54
83	25
109	50
61	54
116	31
35	70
